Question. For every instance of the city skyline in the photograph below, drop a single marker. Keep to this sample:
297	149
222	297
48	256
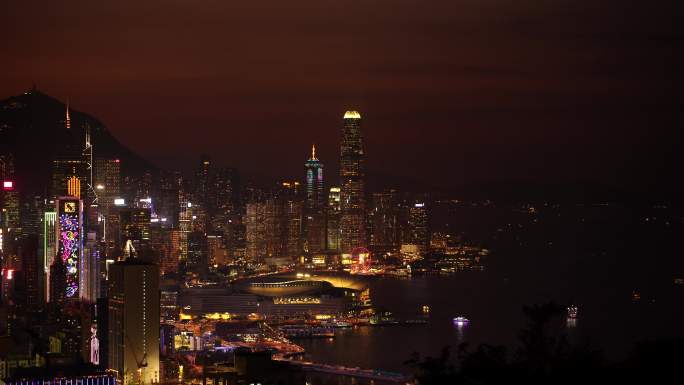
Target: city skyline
361	192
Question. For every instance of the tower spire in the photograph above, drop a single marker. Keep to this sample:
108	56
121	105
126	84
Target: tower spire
313	151
68	118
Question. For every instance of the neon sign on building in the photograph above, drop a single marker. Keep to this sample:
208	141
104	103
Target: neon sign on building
70	237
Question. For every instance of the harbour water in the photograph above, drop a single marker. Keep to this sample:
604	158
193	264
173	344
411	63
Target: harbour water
608	317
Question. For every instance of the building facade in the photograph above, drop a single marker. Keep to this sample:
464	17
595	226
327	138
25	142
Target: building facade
133	321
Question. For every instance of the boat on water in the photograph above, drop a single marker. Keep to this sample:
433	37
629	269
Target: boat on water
572	311
461	321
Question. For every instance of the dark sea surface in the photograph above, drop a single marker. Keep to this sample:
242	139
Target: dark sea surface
593	256
608	318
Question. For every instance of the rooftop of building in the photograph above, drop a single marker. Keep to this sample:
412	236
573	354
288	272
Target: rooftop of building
352	115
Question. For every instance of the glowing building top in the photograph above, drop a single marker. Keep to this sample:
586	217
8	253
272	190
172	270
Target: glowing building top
315	198
352	115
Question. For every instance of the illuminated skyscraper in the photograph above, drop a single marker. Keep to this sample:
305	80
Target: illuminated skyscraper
107	185
274	226
169	251
70	244
133	321
385	220
292	227
9	205
418	226
205	191
333	219
352	220
255	231
315	196
107	180
314	208
49	237
184	224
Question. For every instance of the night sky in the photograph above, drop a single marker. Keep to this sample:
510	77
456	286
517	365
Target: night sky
453	93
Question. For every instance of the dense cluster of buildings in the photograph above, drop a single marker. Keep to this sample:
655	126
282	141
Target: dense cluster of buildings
91	264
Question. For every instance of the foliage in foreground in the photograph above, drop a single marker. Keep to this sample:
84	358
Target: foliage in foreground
546	357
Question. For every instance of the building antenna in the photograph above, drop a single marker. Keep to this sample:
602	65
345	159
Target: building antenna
67	121
88	154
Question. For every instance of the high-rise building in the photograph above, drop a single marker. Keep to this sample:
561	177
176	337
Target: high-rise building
204	178
184	223
273	228
167	199
292	226
133	322
315	195
107	182
31	212
334	211
169	251
216	250
49	238
235	238
91	268
198	253
418	226
31	271
225	191
9	205
284	221
385	235
314	207
352	220
70	243
255	231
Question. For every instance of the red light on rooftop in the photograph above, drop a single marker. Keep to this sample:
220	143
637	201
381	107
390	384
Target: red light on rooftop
116	160
8	185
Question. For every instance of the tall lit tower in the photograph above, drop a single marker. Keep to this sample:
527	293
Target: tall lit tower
69	234
49	247
333	219
315	198
314	209
352	221
204	191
